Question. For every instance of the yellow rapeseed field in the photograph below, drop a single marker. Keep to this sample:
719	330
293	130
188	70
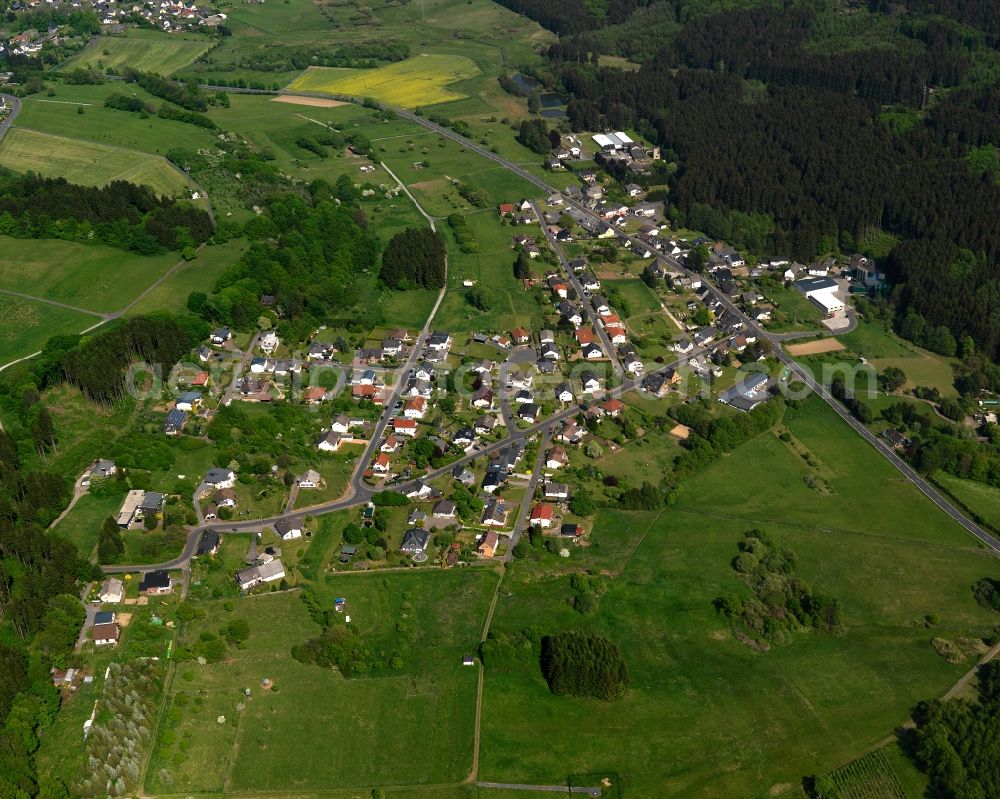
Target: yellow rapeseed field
417	81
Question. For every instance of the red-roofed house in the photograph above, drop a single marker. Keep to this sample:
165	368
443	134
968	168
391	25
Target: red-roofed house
585	335
414	408
315	394
542	515
613	407
506	208
200	379
391	444
381	463
520	335
404	427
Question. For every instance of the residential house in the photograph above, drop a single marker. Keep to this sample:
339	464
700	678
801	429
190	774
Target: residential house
520	335
311	479
570	530
415	541
556	458
209	542
269	342
414	408
564	392
390	444
495	513
488	544
220	478
484	425
556	491
589	383
220	336
542	515
748	392
463	437
129	511
156	582
330	441
445	509
105	634
529	412
112	591
613	407
391	347
404	427
174	421
288	528
252	576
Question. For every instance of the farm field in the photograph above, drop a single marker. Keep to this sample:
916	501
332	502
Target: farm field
60	115
432	620
87	163
421	80
25	325
144	50
923	368
869	777
698	696
94	277
197	275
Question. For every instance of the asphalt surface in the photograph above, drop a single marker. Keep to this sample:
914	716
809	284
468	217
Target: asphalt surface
362	493
15	108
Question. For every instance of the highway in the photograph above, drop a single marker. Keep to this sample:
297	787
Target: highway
360	492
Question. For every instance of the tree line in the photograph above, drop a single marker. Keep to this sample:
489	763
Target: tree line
120	214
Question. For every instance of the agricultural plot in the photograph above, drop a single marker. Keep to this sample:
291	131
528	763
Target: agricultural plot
417	81
25	325
94	277
869	777
926	369
983	500
698	695
87	163
144	50
312	728
82	525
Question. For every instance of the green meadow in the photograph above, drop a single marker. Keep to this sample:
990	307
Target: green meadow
718	718
25	325
313	728
90	276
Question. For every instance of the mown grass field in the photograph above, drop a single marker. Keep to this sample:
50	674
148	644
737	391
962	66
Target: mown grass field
94	277
423	79
716	718
25	325
315	729
144	50
87	162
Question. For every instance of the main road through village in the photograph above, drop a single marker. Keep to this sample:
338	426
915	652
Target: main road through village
359	492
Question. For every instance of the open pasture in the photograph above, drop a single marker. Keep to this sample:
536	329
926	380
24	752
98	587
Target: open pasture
313	729
420	80
94	277
87	163
717	718
25	325
144	50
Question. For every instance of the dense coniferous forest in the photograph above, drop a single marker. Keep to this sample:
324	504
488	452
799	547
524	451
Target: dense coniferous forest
804	133
40	577
120	214
414	258
583	664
